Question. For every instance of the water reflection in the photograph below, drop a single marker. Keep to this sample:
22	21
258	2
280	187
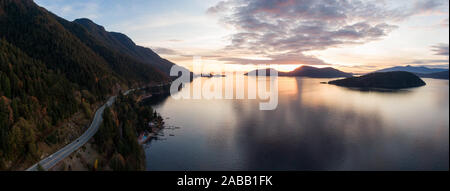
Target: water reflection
315	127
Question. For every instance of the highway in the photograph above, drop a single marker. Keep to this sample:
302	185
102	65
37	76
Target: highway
58	156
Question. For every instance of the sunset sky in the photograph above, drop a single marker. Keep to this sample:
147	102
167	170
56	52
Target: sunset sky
354	36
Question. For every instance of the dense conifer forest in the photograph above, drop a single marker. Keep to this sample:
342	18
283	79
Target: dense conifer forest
52	69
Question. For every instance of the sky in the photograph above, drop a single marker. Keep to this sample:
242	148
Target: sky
352	35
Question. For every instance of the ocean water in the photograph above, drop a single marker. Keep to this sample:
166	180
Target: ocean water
315	127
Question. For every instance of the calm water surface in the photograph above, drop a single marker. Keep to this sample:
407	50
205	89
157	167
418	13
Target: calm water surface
315	127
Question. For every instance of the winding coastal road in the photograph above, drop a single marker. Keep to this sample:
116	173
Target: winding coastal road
58	156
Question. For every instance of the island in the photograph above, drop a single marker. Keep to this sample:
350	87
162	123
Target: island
384	80
306	71
210	75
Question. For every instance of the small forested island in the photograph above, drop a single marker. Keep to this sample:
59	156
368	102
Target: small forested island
210	75
384	80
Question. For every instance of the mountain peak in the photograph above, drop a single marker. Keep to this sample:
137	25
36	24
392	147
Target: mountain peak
124	39
84	20
89	24
122	43
309	71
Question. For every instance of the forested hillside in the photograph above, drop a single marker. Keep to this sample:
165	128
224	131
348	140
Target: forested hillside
50	70
116	138
132	70
67	47
32	100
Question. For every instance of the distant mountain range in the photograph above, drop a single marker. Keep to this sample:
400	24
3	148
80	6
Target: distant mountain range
437	75
412	69
313	72
308	71
421	71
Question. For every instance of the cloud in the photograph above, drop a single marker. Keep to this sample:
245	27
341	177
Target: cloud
426	6
174	40
165	51
284	30
426	62
444	23
440	66
440	49
220	7
285	59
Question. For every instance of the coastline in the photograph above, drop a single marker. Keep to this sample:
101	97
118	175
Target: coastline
99	155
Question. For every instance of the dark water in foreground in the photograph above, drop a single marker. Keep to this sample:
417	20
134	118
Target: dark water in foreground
315	127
